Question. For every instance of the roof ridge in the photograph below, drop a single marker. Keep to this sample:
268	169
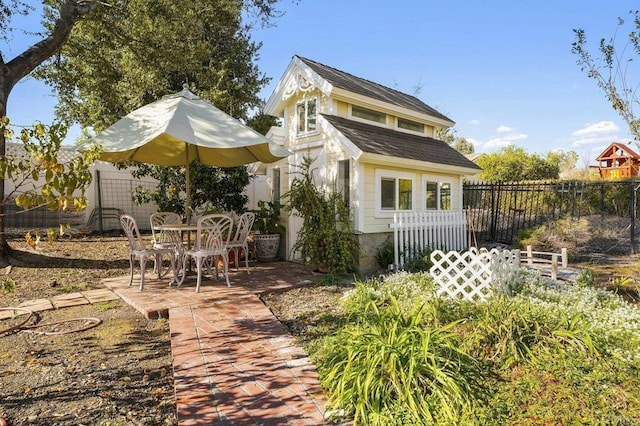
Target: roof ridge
360	78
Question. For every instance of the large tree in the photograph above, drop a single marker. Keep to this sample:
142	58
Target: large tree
512	163
613	67
136	51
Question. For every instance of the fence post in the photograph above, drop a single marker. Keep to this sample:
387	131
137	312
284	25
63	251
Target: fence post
565	257
98	186
530	255
554	266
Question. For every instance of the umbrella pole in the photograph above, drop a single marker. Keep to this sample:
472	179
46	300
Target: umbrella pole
187	177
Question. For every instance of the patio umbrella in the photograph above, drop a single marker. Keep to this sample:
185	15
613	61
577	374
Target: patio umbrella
180	129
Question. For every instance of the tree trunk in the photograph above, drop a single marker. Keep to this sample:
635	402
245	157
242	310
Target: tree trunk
5	250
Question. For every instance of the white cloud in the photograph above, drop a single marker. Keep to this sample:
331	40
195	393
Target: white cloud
602	132
597	128
504	129
496	143
505	140
474	122
474	142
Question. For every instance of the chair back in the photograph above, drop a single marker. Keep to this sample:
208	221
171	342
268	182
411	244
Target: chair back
163	218
214	232
132	232
245	223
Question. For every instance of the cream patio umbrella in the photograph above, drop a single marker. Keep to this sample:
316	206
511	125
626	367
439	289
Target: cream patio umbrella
180	129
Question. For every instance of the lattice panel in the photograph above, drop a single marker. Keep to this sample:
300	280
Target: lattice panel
472	275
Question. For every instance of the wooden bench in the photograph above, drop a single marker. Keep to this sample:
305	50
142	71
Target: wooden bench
544	258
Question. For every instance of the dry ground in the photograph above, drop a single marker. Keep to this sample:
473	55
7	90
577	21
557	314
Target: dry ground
118	373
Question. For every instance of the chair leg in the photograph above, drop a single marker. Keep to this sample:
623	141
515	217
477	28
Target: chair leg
143	266
199	266
246	257
225	265
130	269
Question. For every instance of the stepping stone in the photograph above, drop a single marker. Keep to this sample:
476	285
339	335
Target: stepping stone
102	295
66	300
37	305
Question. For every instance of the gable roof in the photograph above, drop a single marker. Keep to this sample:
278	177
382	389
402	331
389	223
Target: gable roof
361	86
609	152
388	142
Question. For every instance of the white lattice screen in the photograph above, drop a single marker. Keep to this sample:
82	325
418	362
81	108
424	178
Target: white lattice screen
473	275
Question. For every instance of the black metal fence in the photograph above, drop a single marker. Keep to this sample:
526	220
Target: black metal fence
497	212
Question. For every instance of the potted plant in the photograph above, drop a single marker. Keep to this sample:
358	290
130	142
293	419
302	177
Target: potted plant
268	230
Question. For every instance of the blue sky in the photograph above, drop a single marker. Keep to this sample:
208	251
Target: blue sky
502	70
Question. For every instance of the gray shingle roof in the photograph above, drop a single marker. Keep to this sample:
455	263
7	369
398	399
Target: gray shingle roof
380	140
370	89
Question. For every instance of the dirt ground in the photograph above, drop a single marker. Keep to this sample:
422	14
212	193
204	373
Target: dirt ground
117	373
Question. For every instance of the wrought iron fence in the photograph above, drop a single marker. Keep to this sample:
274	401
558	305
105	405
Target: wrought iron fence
496	212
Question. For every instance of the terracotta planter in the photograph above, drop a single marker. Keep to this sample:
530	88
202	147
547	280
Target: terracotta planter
267	247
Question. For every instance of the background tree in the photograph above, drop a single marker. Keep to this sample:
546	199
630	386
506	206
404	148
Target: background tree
512	163
460	144
463	145
136	51
612	66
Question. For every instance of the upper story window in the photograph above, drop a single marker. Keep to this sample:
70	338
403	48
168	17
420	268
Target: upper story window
306	112
414	126
368	114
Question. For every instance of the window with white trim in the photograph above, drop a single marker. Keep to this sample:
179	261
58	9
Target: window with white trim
394	191
437	195
368	114
306	113
414	126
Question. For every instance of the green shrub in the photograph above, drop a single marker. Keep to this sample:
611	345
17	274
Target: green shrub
385	255
393	369
417	260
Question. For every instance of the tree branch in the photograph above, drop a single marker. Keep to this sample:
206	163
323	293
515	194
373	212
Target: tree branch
71	11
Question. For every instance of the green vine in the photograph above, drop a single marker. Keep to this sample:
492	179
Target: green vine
327	235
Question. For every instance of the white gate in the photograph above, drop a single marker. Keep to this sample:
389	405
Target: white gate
442	229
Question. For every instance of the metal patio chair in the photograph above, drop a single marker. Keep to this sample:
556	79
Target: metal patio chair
239	240
137	249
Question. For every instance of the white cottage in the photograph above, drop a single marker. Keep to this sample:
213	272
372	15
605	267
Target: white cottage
374	144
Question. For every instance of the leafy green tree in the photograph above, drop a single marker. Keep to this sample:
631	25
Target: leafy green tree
463	145
513	163
460	144
611	67
136	51
38	178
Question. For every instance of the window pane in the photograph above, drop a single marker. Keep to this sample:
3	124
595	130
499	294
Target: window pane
311	115
410	125
431	196
368	114
343	180
388	194
276	186
405	194
301	118
445	196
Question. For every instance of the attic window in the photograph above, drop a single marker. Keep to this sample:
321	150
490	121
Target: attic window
368	114
306	113
410	125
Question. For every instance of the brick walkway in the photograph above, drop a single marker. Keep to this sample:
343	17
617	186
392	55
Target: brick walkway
234	363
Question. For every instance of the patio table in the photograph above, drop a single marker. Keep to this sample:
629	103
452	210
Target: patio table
176	232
